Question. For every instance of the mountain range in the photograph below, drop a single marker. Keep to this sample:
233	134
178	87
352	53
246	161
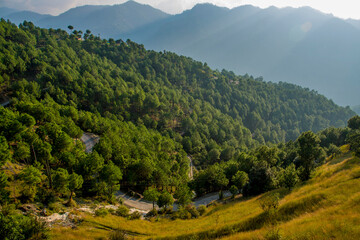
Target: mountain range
296	45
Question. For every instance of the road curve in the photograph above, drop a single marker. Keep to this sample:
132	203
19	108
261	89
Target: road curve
89	140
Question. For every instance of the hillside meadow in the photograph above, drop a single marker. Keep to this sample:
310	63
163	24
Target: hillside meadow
325	207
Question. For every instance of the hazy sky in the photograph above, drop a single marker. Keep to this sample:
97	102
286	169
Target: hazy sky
340	8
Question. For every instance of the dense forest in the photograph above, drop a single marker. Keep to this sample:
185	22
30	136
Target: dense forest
151	110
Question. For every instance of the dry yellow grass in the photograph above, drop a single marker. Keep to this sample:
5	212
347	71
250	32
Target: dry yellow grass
326	207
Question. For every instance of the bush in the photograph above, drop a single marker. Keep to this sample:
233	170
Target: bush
122	211
135	215
166	210
201	209
152	213
182	213
121	200
273	234
270	202
101	212
117	235
112	211
16	226
192	210
234	190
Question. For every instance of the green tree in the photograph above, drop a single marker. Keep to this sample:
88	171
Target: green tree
309	151
4	194
32	178
183	195
152	195
233	190
75	182
289	177
165	199
111	175
61	181
354	122
4	151
353	138
240	179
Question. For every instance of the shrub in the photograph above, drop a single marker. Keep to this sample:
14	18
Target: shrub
234	190
101	212
152	213
16	226
135	215
117	235
112	211
122	211
201	209
182	213
270	202
192	210
121	200
273	234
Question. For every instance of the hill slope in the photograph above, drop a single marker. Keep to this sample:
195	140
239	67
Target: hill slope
172	94
301	46
326	206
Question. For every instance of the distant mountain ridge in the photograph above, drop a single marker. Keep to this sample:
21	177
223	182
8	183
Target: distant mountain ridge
106	20
301	46
296	45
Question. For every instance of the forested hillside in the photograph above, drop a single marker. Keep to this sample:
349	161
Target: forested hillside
295	45
182	99
152	111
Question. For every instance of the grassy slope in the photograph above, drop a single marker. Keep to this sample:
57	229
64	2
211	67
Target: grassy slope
326	207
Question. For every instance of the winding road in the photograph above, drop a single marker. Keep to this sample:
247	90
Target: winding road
143	205
89	140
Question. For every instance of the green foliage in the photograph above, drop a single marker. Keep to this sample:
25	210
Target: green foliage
233	190
309	152
4	194
122	211
152	195
240	179
4	151
210	180
135	215
101	212
270	202
150	110
354	122
261	179
182	213
117	235
31	178
18	227
183	195
61	181
274	234
353	139
165	199
201	209
289	177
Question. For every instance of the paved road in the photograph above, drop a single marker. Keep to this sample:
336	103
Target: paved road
89	140
191	172
137	203
144	205
4	104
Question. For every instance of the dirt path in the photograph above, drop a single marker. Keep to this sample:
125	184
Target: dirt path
89	140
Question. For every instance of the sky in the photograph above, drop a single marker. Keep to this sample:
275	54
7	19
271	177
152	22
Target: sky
339	8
